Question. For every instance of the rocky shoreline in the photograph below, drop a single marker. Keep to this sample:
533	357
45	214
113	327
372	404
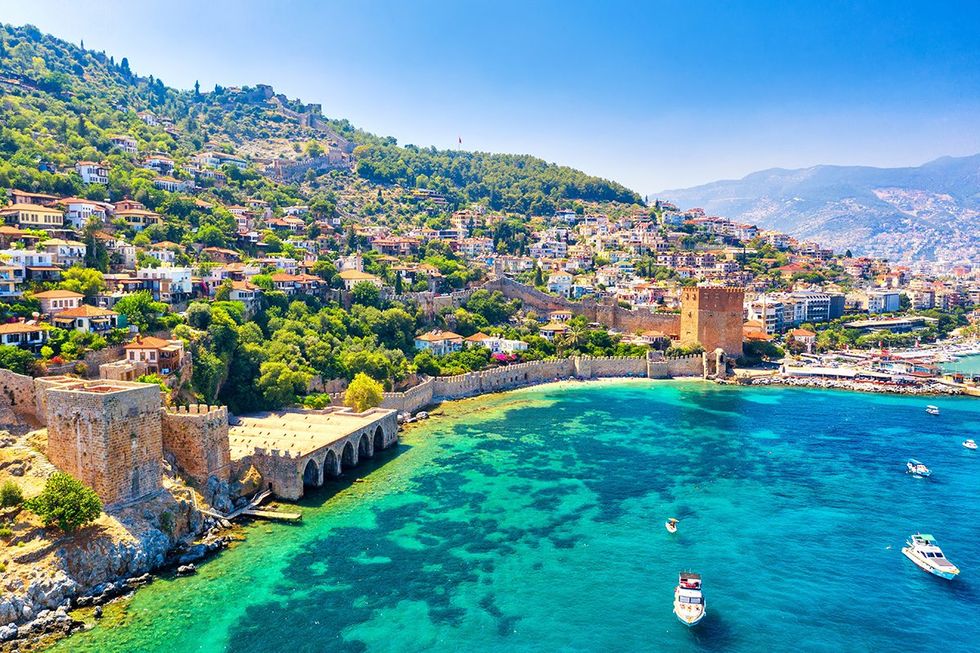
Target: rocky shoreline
45	606
925	389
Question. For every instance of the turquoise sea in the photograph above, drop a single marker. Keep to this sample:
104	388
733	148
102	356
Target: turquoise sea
533	521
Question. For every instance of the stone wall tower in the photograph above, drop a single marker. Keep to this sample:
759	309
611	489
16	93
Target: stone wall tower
107	434
712	316
197	437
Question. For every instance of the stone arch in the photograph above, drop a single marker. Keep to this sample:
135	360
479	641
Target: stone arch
379	438
331	464
364	448
348	456
311	474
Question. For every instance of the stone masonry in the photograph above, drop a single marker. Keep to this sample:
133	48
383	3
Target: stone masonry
197	437
108	435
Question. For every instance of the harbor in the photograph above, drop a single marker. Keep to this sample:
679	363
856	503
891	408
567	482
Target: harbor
752	475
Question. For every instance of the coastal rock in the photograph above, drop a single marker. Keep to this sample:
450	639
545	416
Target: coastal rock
193	554
8	632
186	570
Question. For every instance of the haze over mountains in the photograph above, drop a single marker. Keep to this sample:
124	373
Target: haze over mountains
927	212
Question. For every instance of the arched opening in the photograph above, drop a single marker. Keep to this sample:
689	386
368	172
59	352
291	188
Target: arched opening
347	456
379	439
364	449
330	464
311	474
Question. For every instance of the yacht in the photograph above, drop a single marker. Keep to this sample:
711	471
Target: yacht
917	469
970	444
688	600
932	410
926	554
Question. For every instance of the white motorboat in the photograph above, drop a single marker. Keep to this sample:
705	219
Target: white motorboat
671	525
970	444
689	604
932	410
917	469
922	549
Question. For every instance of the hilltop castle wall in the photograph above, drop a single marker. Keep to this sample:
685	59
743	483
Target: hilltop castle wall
612	315
197	437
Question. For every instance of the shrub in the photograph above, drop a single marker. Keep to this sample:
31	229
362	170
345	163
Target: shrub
363	393
66	502
10	494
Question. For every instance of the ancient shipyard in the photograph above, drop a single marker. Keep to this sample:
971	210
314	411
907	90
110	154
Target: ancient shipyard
114	435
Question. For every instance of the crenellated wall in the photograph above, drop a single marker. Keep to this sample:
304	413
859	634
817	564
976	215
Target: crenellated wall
436	389
197	437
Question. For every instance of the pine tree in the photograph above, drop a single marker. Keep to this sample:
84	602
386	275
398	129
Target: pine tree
398	283
197	89
124	67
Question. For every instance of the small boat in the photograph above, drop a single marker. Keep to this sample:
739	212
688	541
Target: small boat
671	525
970	444
925	553
932	410
689	603
917	469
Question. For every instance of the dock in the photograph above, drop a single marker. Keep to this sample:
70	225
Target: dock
273	514
251	509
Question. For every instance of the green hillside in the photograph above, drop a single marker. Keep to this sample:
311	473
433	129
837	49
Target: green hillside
61	103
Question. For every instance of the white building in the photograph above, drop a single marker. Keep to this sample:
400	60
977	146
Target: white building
79	211
92	173
883	301
560	283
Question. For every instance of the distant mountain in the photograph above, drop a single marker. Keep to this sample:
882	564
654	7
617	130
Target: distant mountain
928	212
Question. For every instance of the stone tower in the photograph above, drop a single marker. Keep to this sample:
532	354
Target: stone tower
197	437
712	316
107	434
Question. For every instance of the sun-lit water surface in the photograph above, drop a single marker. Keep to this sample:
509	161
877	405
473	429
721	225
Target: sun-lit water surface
533	521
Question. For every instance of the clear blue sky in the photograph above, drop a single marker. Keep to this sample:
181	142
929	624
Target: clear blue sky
653	94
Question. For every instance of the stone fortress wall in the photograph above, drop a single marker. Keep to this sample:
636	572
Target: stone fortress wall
17	391
197	437
434	390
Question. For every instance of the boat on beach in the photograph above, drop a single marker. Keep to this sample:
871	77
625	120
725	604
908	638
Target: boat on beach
922	549
671	525
970	444
917	469
932	410
689	604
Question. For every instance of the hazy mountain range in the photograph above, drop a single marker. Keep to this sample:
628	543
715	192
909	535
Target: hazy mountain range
926	212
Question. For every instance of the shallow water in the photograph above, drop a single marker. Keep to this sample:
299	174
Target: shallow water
533	521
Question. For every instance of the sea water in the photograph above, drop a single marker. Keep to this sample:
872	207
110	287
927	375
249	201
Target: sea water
534	521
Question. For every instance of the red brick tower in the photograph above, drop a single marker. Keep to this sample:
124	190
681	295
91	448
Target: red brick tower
712	316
